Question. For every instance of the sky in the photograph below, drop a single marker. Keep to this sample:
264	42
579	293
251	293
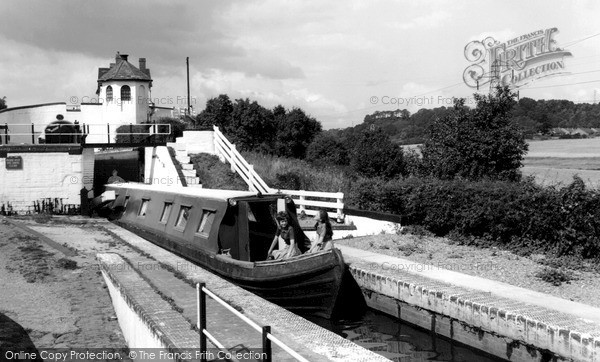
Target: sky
337	60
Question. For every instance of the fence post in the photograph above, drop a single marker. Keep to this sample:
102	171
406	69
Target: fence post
130	133
340	211
301	203
108	132
32	134
266	342
201	319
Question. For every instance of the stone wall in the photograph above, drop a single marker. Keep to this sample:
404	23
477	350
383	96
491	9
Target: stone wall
47	175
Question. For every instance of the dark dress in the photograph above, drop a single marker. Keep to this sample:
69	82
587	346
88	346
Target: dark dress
286	235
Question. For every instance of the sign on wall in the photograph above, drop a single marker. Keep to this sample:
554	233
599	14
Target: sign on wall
14	163
515	62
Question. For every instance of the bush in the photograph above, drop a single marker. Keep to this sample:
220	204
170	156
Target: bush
521	216
327	149
476	144
374	155
214	174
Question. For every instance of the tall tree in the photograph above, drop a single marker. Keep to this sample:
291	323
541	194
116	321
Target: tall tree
476	143
3	103
251	127
295	132
217	112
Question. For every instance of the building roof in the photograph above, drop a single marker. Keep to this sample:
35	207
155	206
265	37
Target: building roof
188	191
123	70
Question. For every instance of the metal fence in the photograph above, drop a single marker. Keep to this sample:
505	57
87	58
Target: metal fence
267	337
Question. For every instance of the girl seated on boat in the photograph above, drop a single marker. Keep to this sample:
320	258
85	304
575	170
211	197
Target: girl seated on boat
285	231
324	233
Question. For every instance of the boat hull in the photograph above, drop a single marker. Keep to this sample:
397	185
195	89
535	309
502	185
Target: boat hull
306	284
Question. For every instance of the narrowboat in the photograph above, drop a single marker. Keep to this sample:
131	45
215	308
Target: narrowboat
229	233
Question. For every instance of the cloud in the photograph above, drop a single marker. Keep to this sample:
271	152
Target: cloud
432	20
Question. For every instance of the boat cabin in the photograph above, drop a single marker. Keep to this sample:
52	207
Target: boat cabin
240	224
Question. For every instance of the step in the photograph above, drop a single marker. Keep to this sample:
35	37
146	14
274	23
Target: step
180	153
183	159
179	144
191	181
189	173
187	166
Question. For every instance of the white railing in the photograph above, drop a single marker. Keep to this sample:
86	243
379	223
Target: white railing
227	150
302	199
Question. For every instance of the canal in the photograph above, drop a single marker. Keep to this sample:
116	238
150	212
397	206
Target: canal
399	341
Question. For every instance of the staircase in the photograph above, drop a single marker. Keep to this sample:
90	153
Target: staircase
187	168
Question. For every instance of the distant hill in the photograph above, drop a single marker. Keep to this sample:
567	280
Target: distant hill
534	117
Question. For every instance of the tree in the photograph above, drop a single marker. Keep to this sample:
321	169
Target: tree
375	155
251	127
217	112
3	103
327	149
476	143
295	132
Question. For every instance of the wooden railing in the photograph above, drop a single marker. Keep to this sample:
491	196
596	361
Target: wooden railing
302	199
227	150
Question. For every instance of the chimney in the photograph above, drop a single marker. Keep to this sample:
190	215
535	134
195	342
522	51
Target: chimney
142	64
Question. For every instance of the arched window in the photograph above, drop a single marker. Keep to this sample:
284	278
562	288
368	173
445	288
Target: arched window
125	93
109	94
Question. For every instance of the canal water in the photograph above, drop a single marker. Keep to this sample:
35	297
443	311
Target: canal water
398	341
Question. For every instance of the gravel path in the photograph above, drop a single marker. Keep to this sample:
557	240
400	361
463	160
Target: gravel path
49	302
492	263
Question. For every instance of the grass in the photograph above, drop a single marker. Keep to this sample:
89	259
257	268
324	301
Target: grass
284	173
577	148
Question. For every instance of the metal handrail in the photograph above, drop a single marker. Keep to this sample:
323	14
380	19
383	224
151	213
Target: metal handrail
201	293
82	129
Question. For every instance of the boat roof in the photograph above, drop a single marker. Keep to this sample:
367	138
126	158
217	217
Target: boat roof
189	191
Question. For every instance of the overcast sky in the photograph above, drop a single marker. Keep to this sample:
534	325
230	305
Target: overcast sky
329	58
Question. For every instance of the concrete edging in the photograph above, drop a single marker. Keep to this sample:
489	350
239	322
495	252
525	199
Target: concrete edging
491	320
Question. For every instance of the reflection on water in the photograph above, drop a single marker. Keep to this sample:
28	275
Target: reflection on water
397	341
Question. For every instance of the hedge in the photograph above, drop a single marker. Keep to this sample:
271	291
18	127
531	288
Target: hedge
522	216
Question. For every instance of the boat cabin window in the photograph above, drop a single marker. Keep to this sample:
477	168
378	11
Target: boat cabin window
182	218
206	222
144	207
164	217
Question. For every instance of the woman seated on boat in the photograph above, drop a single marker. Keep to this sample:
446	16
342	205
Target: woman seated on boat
285	231
324	233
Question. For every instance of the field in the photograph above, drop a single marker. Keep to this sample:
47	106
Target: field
554	162
557	161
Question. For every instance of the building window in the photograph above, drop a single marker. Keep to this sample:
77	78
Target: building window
143	207
166	212
125	93
182	218
206	222
109	94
